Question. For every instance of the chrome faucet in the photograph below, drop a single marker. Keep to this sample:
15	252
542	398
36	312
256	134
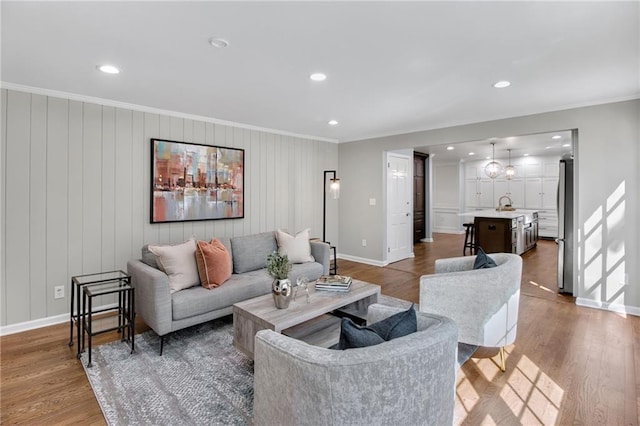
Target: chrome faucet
500	206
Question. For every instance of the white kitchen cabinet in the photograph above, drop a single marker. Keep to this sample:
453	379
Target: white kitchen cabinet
532	168
548	223
540	193
551	167
550	193
479	193
514	189
473	171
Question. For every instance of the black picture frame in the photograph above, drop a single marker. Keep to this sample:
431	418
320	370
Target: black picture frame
194	182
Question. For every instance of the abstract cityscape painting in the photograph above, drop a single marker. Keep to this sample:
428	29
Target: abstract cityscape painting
195	182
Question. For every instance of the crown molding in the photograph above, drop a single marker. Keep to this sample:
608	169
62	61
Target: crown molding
142	108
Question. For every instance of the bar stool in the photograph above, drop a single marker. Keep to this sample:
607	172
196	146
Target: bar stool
469	242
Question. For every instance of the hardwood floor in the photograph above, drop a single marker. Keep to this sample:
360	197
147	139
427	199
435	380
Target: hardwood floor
569	365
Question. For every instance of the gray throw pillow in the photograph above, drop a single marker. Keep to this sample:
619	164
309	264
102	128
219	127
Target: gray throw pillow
354	336
483	261
149	258
397	325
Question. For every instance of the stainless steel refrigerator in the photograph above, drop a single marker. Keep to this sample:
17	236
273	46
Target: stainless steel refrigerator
565	227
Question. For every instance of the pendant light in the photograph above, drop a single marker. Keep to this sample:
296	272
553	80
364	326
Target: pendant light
493	169
509	171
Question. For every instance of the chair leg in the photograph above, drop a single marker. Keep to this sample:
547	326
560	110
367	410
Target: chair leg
503	364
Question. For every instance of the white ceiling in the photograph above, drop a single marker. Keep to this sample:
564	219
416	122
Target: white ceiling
392	67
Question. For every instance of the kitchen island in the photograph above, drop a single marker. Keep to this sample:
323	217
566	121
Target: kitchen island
506	231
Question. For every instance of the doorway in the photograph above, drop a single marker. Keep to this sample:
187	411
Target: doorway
419	197
399	206
528	154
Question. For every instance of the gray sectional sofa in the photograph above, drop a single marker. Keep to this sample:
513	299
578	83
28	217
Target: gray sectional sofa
166	312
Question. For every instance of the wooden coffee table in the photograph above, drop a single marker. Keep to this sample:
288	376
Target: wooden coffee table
260	313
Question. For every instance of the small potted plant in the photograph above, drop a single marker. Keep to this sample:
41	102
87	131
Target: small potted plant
278	266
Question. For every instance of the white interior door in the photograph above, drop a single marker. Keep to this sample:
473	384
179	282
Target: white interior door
399	207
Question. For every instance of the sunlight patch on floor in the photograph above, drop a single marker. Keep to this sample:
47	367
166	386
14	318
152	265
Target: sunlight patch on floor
470	398
541	287
531	394
488	421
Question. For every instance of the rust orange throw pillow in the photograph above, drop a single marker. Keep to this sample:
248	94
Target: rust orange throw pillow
214	265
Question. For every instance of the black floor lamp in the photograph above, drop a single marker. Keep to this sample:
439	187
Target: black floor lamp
334	190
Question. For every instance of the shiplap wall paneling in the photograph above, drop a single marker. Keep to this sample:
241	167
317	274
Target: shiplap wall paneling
108	142
3	206
37	187
271	169
17	163
262	170
91	189
123	198
75	216
282	183
76	192
108	192
252	162
139	216
57	203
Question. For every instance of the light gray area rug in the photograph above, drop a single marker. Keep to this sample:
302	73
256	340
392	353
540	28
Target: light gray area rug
200	379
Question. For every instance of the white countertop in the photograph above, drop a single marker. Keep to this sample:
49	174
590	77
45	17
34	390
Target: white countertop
496	214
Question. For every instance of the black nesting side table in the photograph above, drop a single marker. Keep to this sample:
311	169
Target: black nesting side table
83	289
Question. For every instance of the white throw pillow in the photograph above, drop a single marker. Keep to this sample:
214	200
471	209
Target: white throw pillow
179	263
297	248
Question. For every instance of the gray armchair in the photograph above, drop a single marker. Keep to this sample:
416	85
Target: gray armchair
483	303
406	381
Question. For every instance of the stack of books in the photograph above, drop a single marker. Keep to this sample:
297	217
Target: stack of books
333	283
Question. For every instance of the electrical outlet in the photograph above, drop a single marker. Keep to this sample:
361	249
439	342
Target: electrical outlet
364	243
372	201
58	292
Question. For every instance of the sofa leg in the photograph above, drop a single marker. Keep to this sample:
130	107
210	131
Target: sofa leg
503	364
161	344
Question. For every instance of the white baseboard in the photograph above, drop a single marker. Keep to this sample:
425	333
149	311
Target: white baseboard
426	240
362	260
606	306
43	322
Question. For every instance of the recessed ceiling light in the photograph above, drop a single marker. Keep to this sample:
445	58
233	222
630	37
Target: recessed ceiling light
318	76
526	155
333	122
488	158
108	69
501	84
450	148
472	153
566	145
556	137
220	43
547	147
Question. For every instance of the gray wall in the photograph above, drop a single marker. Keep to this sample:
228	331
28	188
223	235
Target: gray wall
608	188
75	192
